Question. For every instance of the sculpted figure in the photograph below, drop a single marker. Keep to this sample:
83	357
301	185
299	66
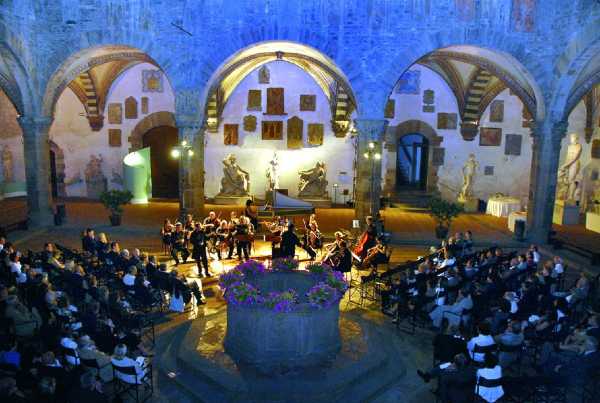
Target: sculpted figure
313	182
7	165
273	174
469	170
236	181
95	180
568	172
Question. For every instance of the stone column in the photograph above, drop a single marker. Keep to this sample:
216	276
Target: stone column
367	190
191	168
547	137
37	169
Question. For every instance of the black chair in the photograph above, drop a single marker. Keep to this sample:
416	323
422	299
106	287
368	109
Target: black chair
477	349
486	383
513	350
92	363
132	389
71	353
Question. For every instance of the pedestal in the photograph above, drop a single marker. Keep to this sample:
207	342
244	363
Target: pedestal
592	221
470	205
232	200
565	213
318	203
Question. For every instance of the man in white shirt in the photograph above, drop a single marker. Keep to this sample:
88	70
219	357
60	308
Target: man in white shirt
120	359
483	339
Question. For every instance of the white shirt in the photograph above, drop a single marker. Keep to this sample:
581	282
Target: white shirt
494	393
481	341
70	343
558	269
139	365
15	267
129	279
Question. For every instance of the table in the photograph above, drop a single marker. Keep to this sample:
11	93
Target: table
516	216
502	206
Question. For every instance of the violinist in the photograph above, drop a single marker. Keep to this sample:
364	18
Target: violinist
231	242
243	236
367	239
250	212
166	231
198	240
276	229
224	238
178	244
376	255
335	245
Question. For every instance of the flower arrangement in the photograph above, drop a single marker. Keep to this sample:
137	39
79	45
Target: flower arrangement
282	301
285	264
319	269
322	296
243	294
335	279
228	278
251	268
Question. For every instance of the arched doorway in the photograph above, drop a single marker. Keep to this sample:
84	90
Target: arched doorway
165	169
412	158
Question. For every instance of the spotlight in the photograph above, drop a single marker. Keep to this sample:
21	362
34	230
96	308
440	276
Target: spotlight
366	155
190	153
371	145
377	156
175	153
184	143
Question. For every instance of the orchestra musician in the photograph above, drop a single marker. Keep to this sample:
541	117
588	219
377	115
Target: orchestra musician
210	225
340	259
231	242
367	239
376	255
250	212
276	229
165	232
198	240
178	244
289	241
312	236
243	236
223	238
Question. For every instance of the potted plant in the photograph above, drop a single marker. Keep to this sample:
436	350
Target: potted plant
114	200
443	212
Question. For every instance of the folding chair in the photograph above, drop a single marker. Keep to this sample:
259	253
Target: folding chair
92	363
132	389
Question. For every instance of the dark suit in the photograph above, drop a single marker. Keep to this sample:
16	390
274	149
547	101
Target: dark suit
446	346
457	386
289	240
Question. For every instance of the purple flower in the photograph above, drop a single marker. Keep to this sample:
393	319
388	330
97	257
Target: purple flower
336	280
230	277
282	301
243	294
323	296
319	269
285	264
251	268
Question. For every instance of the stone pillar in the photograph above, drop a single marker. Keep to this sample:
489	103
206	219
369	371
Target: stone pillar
191	168
547	137
37	169
367	190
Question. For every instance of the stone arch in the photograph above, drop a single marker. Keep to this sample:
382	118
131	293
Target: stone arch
323	70
395	133
83	61
151	121
59	160
498	58
581	52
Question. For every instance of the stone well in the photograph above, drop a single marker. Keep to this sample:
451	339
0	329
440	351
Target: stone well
272	341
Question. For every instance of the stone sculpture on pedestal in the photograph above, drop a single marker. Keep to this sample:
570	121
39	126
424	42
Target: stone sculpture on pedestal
313	182
236	181
95	180
273	174
465	196
7	165
569	171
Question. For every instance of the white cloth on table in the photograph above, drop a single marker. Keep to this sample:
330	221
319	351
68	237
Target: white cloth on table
502	206
514	217
494	393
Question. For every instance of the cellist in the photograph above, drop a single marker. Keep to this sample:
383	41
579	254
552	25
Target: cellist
367	239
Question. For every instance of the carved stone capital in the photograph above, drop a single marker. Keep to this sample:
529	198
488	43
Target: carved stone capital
469	130
371	129
32	126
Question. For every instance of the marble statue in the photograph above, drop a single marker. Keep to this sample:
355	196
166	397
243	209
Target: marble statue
236	181
273	174
313	182
7	165
469	170
95	180
569	171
